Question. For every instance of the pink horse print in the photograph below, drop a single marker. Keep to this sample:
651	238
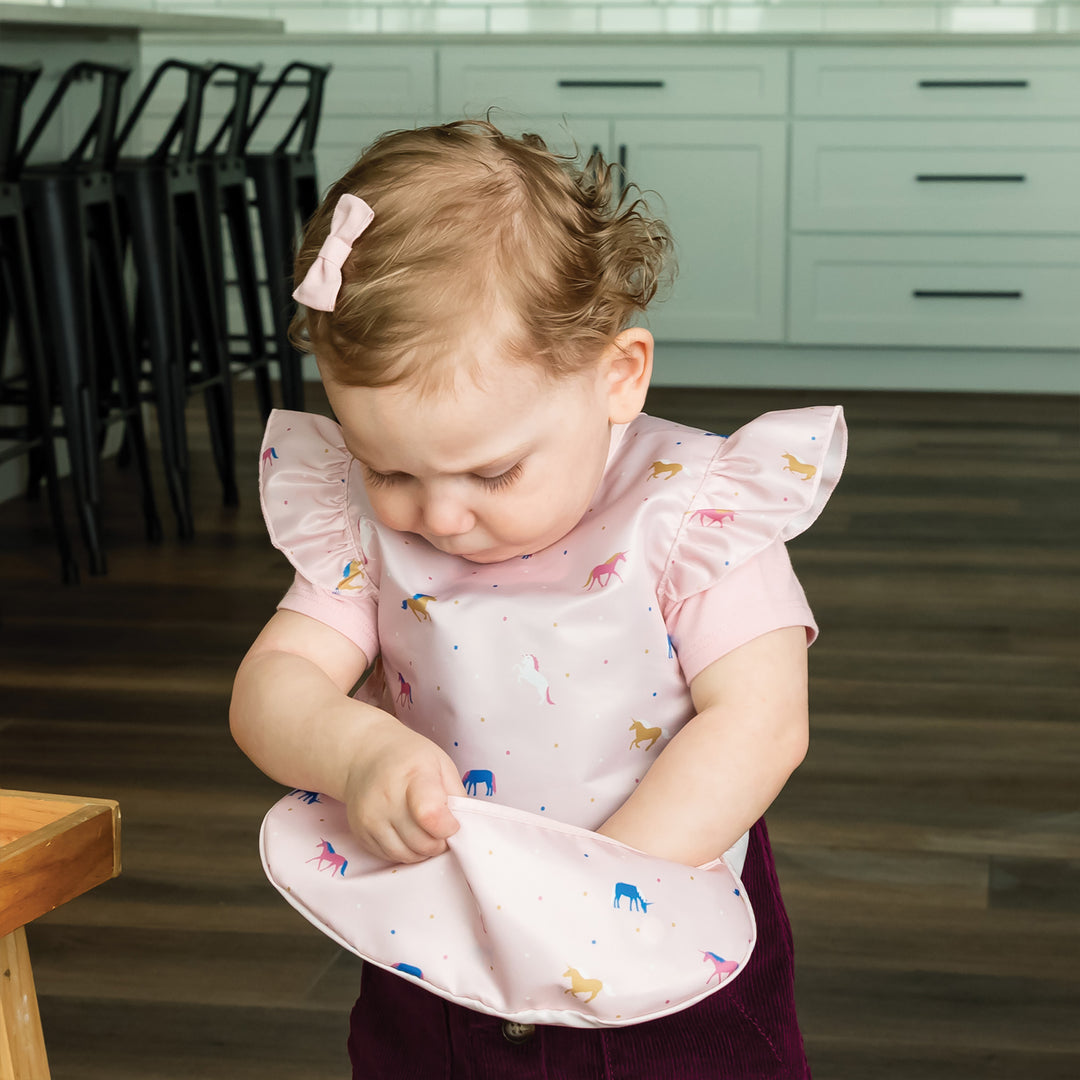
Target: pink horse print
711	516
328	857
404	696
605	571
269	456
721	967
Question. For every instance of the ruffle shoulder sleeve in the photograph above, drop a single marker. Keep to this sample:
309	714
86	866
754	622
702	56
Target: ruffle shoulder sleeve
767	481
308	487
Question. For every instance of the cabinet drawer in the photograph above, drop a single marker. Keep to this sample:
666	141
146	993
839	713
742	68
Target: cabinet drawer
1039	80
973	291
948	176
613	80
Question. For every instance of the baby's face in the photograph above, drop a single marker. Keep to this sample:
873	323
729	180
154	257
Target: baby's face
500	467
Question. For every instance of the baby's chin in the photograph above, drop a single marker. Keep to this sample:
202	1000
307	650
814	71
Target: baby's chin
484	558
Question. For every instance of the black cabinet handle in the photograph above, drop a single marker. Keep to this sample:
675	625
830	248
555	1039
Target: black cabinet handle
611	84
967	294
622	168
974	84
971	178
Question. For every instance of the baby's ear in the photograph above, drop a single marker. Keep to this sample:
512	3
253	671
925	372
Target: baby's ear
627	368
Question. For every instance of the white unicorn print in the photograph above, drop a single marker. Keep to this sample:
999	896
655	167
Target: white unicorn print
527	670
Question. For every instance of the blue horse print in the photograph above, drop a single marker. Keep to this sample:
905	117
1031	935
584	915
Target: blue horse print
636	901
474	777
308	797
409	969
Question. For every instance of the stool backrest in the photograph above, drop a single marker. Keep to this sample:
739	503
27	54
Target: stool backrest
236	124
100	132
180	141
312	77
15	85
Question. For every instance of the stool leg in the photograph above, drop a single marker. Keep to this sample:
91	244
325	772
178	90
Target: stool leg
22	1042
234	204
23	306
64	305
153	247
197	279
277	227
107	260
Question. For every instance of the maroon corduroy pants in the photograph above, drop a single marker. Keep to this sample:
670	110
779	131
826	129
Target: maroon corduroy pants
746	1031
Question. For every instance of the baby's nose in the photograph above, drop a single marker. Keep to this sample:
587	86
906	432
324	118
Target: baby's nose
445	515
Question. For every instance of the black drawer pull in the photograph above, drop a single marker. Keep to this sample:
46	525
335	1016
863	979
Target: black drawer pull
611	84
968	294
974	84
971	178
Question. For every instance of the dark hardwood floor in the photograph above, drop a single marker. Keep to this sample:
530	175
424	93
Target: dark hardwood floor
929	847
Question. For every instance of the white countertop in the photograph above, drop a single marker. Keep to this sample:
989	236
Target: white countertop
134	20
763	37
168	24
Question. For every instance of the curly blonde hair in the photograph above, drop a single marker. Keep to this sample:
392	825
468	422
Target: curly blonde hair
471	224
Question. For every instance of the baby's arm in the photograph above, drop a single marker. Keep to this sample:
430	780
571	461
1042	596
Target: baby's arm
291	713
723	769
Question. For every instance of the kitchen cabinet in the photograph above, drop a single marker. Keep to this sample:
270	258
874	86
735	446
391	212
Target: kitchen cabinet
721	192
700	130
934	198
862	213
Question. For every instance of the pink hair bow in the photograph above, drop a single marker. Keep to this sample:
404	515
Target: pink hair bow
322	282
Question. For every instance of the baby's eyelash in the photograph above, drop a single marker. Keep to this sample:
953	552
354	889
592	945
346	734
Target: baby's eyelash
503	480
491	483
378	479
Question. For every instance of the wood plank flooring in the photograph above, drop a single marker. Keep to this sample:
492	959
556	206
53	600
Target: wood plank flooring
929	847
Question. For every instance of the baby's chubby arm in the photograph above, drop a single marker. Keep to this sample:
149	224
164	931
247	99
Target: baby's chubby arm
723	769
291	713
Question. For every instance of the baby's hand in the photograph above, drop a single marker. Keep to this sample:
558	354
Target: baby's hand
396	795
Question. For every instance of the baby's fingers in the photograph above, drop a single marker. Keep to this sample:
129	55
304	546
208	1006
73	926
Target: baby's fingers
426	803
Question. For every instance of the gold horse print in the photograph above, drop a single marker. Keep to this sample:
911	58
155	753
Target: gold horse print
800	468
417	604
659	468
644	734
581	985
354	576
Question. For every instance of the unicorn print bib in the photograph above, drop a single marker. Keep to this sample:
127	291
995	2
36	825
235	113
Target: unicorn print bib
553	681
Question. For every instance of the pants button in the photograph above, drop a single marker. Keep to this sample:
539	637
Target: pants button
517	1033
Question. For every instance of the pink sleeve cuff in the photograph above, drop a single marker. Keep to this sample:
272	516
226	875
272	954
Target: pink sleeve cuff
354	616
753	599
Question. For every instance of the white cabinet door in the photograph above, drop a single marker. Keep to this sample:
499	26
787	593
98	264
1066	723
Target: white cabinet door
721	190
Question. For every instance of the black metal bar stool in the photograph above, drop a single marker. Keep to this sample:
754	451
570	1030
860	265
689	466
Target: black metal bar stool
287	194
223	176
78	265
18	305
165	222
